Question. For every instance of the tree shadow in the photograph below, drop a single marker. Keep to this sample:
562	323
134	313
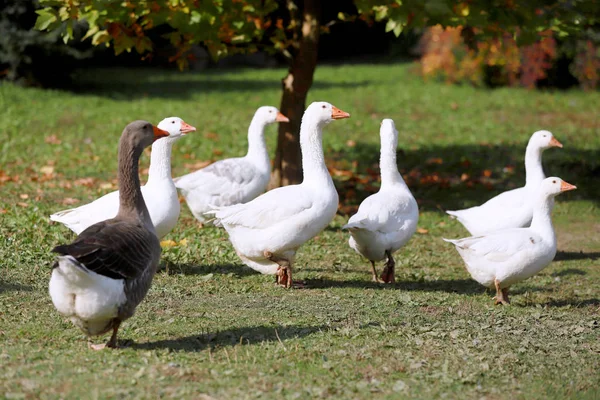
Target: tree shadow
232	337
13	287
132	83
574	255
572	303
454	177
195	269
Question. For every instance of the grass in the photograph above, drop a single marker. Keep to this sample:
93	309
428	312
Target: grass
212	328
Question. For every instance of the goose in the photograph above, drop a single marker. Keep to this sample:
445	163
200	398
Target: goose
505	257
159	192
514	208
267	231
386	220
233	180
100	278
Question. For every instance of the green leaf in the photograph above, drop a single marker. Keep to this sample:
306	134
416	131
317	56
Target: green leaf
45	18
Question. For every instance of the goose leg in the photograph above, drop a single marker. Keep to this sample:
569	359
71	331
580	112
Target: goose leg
501	295
388	274
284	272
374	272
112	342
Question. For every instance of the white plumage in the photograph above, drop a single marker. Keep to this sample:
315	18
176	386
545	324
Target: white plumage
513	208
502	258
233	180
267	231
386	220
159	192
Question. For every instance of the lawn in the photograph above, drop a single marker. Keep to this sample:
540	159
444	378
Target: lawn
213	328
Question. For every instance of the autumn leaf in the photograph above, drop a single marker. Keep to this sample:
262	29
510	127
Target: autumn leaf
24	196
435	160
487	173
350	143
22	204
67	201
52	139
47	170
168	243
422	231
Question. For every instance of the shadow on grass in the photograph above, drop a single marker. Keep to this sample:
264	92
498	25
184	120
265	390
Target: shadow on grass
572	303
462	286
136	83
12	287
454	177
232	337
194	269
574	255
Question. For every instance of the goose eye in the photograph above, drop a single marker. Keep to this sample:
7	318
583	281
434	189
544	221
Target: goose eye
172	122
324	106
554	181
270	111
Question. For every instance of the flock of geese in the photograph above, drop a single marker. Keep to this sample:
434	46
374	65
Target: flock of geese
101	277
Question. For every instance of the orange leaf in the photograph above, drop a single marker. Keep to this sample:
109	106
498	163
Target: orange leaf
422	231
487	173
24	196
69	201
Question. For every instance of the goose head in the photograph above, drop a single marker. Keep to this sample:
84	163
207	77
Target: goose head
269	115
544	140
553	186
142	134
176	127
323	112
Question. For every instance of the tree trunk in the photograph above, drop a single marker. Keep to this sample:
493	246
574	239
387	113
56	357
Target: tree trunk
287	167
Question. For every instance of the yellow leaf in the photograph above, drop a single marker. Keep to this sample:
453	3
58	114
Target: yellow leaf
47	170
183	242
168	243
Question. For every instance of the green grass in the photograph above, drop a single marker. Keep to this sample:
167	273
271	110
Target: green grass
212	326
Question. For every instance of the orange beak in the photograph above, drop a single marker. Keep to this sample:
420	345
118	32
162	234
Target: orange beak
281	118
555	143
336	113
565	187
159	133
186	128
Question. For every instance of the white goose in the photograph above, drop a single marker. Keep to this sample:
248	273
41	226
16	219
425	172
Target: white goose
386	220
159	192
267	231
233	180
514	208
508	256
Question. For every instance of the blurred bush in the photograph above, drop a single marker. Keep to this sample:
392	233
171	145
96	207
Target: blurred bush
455	55
31	57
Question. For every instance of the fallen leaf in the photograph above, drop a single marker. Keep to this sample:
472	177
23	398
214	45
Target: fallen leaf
350	143
435	160
22	204
47	170
168	243
106	185
84	181
183	242
464	177
3	211
24	196
217	152
454	105
487	173
52	139
422	231
69	201
211	135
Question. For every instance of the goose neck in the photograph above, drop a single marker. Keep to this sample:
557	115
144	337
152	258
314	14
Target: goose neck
160	160
542	216
387	163
313	160
131	201
534	172
257	148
